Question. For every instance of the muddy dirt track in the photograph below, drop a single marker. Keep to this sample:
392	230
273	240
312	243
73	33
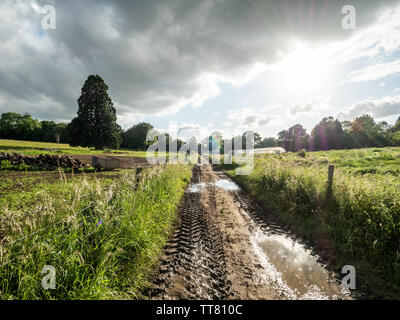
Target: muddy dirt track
227	247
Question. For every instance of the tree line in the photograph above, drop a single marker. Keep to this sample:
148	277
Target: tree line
330	133
23	127
96	126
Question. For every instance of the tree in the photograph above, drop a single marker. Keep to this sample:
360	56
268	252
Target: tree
8	125
294	139
269	142
396	126
328	134
95	125
366	133
135	137
346	124
48	131
16	126
255	139
214	142
62	132
393	133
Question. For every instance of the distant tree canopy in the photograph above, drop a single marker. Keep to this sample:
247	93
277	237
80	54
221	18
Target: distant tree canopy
366	133
135	137
251	137
393	133
294	139
328	134
16	126
95	126
215	142
24	127
54	132
269	142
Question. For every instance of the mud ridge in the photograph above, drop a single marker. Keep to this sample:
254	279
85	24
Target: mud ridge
193	266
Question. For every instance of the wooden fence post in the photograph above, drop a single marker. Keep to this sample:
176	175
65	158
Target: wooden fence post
331	170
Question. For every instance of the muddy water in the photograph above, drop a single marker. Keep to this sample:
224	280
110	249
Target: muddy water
293	268
221	183
288	265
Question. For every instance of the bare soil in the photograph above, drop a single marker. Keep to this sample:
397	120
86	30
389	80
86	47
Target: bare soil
212	254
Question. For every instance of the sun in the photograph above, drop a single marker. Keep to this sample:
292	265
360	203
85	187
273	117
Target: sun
304	71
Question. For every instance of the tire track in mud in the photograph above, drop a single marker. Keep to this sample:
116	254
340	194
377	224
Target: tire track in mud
193	266
227	246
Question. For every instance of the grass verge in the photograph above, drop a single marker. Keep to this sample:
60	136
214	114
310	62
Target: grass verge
102	236
358	224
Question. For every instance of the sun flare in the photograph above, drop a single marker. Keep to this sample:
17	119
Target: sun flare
304	71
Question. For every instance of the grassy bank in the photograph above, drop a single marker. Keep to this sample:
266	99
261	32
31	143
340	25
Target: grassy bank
103	235
34	148
359	224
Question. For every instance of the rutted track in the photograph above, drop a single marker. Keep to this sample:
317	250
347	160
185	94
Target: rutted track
227	247
194	263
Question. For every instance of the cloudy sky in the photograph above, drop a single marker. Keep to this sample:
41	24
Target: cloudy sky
227	65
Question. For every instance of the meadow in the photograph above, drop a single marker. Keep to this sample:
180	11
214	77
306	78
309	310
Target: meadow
356	223
33	148
103	233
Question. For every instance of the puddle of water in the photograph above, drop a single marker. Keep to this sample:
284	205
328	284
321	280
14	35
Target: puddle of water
221	183
292	268
226	184
194	188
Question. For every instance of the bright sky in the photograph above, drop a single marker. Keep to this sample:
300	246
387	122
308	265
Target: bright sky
203	66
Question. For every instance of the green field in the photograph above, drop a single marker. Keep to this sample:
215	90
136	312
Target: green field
32	148
357	224
102	232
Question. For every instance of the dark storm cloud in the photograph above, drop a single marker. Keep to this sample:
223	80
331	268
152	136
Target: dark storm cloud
156	56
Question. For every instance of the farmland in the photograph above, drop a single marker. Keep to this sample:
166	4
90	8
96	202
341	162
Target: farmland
33	148
105	232
357	224
102	232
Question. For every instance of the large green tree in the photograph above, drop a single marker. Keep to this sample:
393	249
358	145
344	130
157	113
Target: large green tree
294	139
95	125
255	139
268	142
328	134
17	126
135	137
393	133
366	133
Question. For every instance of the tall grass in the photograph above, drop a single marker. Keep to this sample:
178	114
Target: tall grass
102	236
360	219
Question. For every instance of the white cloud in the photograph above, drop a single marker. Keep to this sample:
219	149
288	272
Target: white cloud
379	108
375	72
251	118
383	36
310	105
